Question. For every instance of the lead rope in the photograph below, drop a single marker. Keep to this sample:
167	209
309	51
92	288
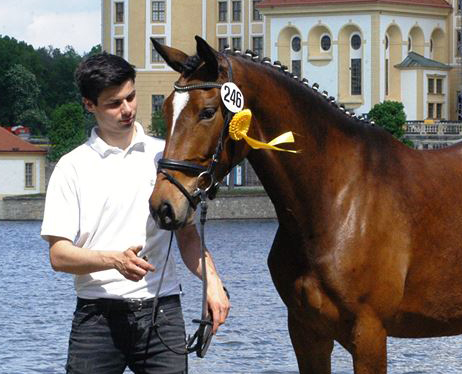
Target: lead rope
203	335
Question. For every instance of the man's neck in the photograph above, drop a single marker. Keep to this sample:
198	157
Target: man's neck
119	140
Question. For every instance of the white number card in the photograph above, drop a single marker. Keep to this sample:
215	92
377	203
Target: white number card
232	97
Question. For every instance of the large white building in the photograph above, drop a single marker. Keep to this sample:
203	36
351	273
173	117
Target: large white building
361	51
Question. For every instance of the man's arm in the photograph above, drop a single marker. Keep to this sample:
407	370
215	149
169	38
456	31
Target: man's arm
190	249
66	257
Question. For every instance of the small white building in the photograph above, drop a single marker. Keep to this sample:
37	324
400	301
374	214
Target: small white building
22	166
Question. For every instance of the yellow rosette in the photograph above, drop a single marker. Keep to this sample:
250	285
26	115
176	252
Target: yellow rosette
239	126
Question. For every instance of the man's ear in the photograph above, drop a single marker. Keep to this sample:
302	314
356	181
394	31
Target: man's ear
173	57
89	105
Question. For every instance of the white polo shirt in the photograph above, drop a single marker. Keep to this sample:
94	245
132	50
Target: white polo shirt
97	197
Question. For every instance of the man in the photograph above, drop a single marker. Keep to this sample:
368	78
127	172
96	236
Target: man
98	226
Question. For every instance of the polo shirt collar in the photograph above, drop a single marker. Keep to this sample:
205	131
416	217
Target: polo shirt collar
104	149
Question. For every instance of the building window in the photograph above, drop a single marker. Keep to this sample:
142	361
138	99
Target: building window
119	12
155	56
431	85
236	11
439	86
297	68
119	47
459	43
157	102
459	6
325	43
29	175
459	105
256	13
296	44
409	44
237	43
222	44
356	76
223	11
431	107
356	42
386	76
158	11
439	110
258	45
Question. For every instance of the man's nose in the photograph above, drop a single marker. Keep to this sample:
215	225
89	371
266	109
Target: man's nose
125	107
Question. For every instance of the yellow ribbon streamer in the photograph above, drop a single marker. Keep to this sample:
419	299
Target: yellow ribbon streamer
239	126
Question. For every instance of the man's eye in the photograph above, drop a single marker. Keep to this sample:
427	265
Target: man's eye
207	113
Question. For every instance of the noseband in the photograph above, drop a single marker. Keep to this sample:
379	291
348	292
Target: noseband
202	172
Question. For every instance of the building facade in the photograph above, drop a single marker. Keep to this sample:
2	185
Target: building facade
364	52
128	26
22	166
361	51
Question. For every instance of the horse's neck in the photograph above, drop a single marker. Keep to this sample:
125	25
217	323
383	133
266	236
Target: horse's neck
292	181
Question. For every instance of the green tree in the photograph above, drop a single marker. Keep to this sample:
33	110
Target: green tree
20	94
36	119
66	130
391	116
158	128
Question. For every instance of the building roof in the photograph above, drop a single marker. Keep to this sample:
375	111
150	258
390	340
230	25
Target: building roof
414	60
12	143
275	3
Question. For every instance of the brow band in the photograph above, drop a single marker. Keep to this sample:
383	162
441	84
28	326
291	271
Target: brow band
198	86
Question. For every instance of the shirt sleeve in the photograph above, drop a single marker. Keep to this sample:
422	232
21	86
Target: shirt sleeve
61	214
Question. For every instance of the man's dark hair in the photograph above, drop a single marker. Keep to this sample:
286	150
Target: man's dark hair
100	71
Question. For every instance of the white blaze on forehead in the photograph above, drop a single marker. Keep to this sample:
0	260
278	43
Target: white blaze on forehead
180	99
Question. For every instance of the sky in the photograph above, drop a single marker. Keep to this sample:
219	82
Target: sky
58	23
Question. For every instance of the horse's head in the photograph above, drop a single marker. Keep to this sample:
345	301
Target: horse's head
198	152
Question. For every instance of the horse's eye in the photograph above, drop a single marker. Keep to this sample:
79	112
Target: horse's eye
207	113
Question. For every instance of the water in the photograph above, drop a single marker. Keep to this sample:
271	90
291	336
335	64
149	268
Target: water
37	305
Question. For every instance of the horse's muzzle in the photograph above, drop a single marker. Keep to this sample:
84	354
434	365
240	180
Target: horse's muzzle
165	217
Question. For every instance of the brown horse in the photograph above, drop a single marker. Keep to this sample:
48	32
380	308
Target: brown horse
369	243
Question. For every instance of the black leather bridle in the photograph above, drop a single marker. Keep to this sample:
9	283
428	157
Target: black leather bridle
201	171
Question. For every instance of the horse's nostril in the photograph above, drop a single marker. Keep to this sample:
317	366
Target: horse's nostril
166	213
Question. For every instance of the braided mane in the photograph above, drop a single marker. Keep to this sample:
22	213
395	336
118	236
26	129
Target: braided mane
252	56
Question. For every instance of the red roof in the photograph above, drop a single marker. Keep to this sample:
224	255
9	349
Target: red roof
430	3
12	143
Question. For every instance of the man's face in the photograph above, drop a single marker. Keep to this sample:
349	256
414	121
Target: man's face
116	108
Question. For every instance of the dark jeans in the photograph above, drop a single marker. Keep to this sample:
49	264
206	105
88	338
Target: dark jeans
105	338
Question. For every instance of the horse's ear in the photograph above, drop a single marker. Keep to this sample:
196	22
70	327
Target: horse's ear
208	55
173	57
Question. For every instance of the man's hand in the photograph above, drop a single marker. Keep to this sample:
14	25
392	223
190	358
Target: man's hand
218	302
66	257
131	266
190	249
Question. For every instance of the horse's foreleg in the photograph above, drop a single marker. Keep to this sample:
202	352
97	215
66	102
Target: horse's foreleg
369	348
313	352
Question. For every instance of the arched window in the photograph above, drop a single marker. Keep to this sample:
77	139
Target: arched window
356	64
409	44
387	63
296	55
